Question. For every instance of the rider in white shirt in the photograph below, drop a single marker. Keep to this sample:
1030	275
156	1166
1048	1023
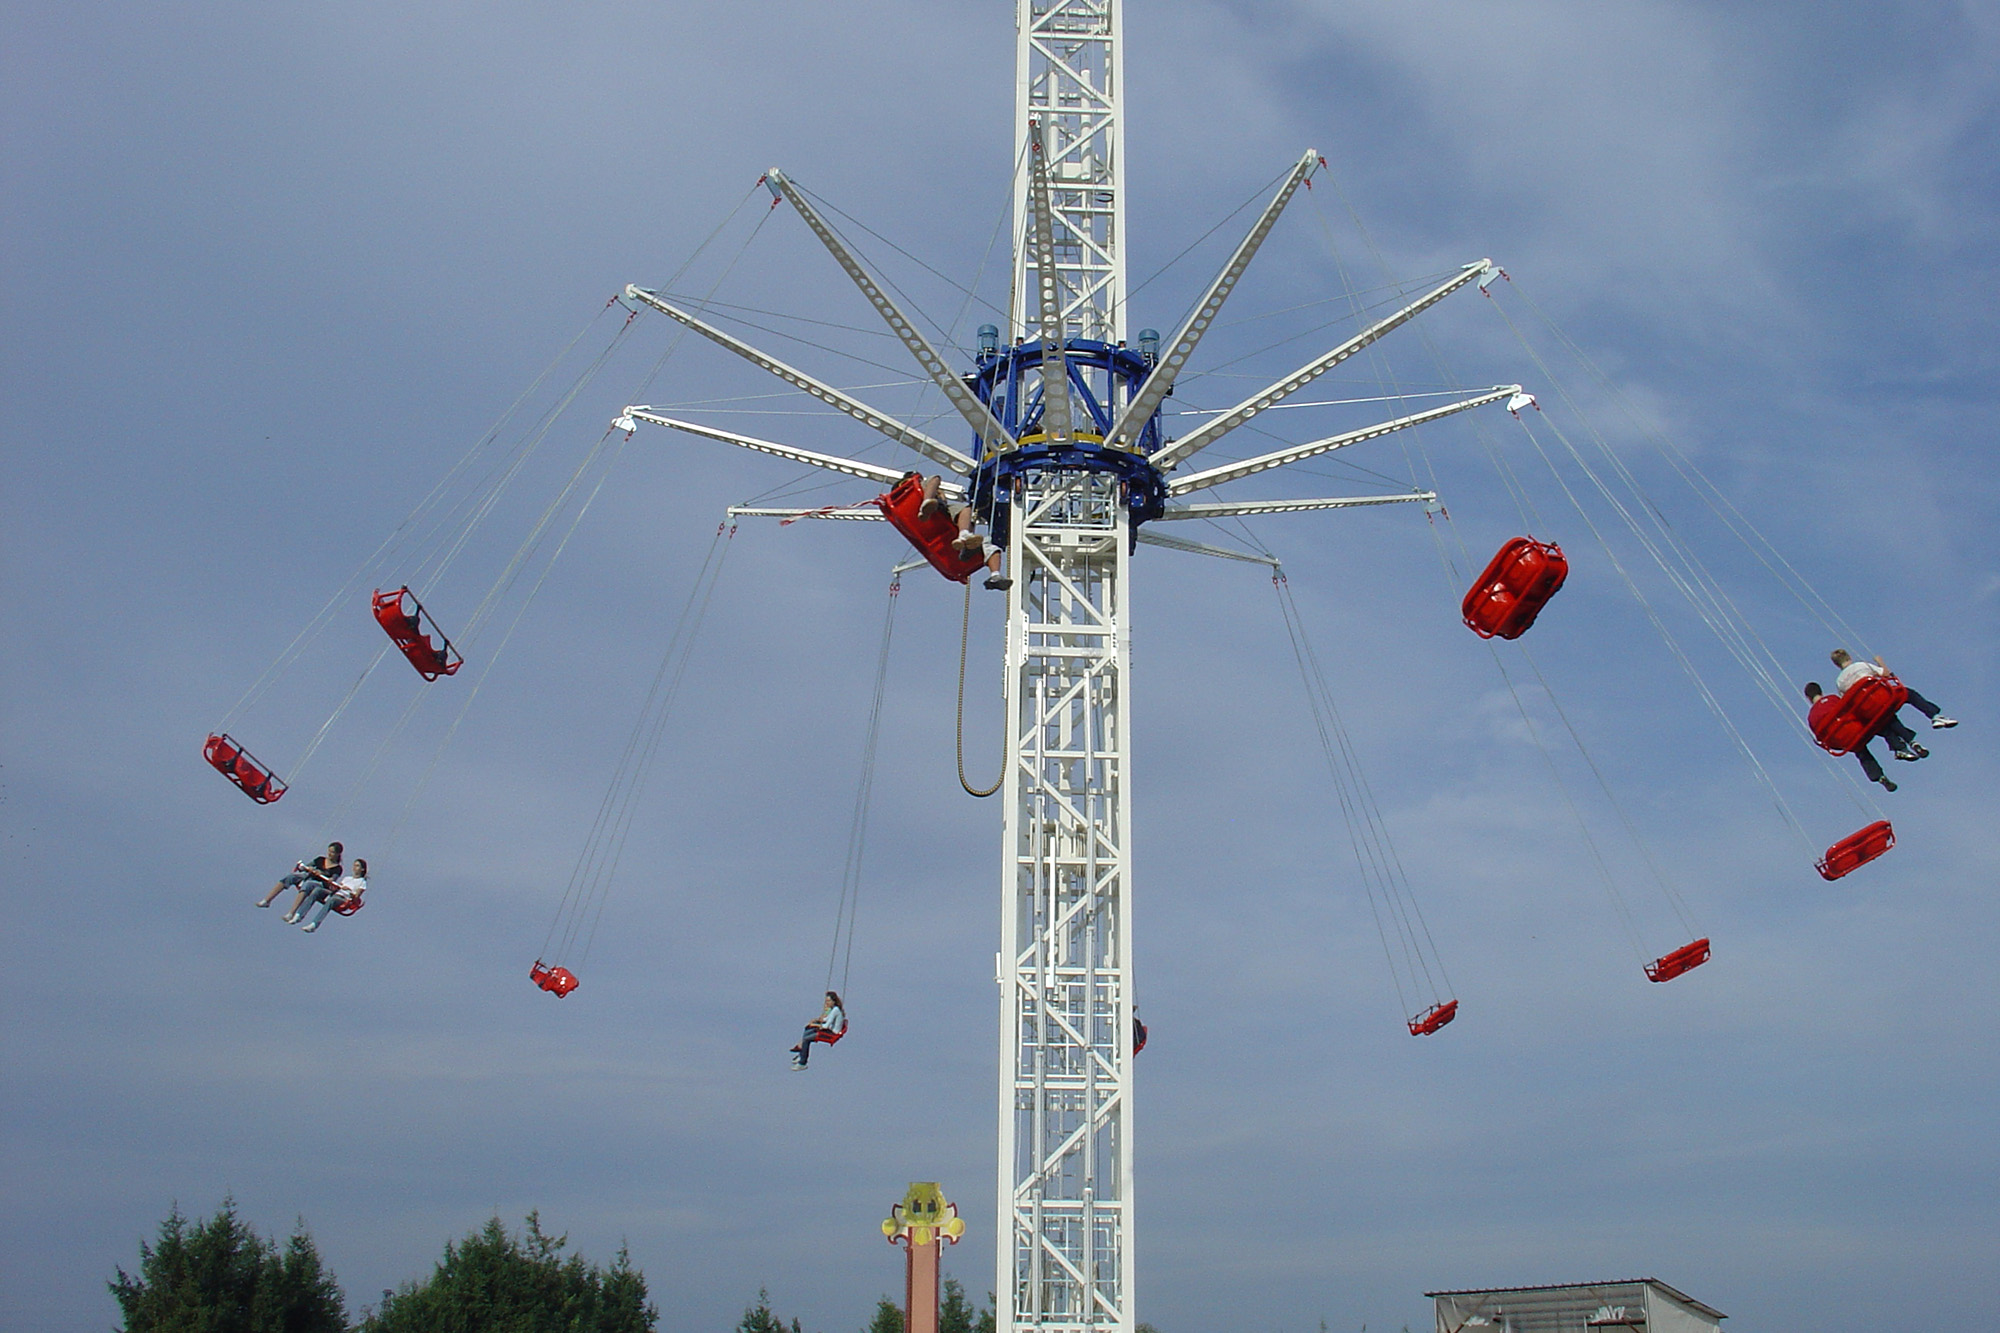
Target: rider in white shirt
1851	671
348	890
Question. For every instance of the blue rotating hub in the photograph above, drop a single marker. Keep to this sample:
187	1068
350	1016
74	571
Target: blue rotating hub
1101	376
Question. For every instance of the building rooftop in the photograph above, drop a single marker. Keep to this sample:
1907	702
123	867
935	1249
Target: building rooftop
1678	1295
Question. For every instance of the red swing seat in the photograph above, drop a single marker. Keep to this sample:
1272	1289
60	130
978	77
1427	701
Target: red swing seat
407	630
227	756
348	908
557	981
933	534
1518	582
1857	849
1684	959
1856	713
1433	1018
830	1035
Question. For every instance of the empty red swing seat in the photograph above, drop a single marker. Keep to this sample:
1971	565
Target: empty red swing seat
1841	722
402	617
557	981
933	534
1505	599
1433	1018
228	757
1684	959
1857	849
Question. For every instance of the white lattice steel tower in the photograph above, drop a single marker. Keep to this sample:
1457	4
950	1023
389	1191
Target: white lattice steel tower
1065	1224
1069	467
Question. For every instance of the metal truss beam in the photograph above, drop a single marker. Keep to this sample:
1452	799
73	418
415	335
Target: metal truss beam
1056	427
852	467
1161	382
936	450
870	514
1248	508
1070	75
1216	476
991	434
1147	537
1170	455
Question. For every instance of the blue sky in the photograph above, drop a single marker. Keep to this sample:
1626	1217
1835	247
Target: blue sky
270	273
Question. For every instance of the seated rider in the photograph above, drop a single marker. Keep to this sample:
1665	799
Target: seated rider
1902	741
321	869
327	897
1851	671
968	540
832	1019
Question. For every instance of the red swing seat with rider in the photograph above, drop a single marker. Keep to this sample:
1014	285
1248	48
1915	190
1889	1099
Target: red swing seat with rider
1517	583
1856	713
226	755
405	626
933	534
831	1035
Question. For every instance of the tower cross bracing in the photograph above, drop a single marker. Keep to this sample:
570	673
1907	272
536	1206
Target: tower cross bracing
1069	74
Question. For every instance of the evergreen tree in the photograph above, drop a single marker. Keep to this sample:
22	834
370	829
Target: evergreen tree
493	1282
888	1317
955	1313
219	1276
759	1319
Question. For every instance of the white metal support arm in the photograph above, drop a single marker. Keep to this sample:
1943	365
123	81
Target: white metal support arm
936	450
1057	426
1161	382
853	467
868	515
1216	476
992	435
1147	537
1214	430
1246	508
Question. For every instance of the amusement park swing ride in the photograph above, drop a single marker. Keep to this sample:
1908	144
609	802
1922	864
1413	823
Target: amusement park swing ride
1065	459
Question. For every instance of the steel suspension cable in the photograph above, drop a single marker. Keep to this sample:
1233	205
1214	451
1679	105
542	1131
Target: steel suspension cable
1673	644
1379	864
612	854
374	560
1712	495
849	907
588	869
492	658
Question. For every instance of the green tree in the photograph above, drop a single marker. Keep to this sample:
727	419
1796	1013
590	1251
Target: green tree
219	1276
759	1319
955	1313
494	1282
888	1317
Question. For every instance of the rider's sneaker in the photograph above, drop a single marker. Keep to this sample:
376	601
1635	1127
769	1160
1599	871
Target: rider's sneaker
999	583
1942	723
1888	783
